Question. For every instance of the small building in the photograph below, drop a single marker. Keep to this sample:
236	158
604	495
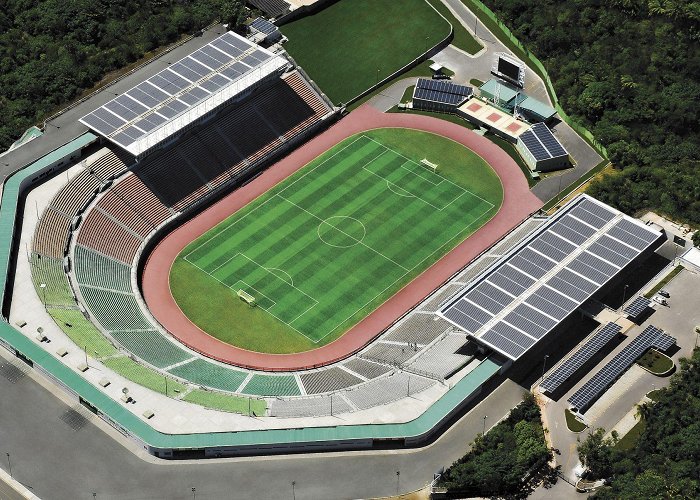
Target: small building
437	95
691	259
515	100
484	115
541	150
263	32
271	8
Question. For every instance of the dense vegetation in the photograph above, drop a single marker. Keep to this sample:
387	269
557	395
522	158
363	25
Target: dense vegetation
663	463
507	462
51	50
629	70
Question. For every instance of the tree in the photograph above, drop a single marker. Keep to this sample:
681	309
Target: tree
596	454
233	13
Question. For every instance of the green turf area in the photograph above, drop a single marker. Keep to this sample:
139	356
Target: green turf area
144	376
574	424
82	332
351	45
629	440
463	39
656	362
332	242
227	402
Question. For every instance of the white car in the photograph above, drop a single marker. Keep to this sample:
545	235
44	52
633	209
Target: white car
660	300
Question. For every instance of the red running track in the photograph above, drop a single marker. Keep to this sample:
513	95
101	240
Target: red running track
518	203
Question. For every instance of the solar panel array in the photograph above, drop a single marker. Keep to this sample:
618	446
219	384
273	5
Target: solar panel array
441	91
651	336
135	114
637	306
263	26
582	355
542	281
540	141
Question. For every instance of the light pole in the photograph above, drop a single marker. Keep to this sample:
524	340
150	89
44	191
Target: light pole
9	464
624	295
544	366
476	22
194	493
398	481
294	493
377	75
43	291
483	430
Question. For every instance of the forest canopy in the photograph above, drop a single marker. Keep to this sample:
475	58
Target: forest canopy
52	50
629	70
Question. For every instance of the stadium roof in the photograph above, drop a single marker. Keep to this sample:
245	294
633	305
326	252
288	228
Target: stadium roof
537	108
524	295
541	143
164	104
506	93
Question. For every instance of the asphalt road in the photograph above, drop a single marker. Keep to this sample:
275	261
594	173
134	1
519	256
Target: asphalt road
59	455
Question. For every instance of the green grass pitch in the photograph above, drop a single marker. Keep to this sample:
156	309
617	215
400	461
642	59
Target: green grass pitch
335	240
350	45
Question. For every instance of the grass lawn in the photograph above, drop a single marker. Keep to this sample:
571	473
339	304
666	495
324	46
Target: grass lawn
335	240
462	39
654	395
226	402
629	440
476	82
664	281
350	45
573	423
655	362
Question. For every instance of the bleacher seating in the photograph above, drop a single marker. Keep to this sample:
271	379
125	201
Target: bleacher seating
76	194
151	346
272	385
111	164
475	268
115	310
387	389
309	407
82	332
394	354
515	236
433	303
327	380
136	194
367	369
418	328
101	233
49	271
441	359
51	234
95	269
204	372
113	205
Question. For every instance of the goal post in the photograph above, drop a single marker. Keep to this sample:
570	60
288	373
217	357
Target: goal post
246	297
428	164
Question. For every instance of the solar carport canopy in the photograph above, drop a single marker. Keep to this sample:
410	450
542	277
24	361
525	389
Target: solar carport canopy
155	109
528	292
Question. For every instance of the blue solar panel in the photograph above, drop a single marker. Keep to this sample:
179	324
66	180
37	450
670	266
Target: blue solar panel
443	86
637	306
582	355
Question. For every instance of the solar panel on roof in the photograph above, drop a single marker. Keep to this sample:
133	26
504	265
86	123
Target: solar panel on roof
637	306
540	141
263	26
582	355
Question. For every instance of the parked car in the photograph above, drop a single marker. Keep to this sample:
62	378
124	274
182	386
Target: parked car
664	293
660	300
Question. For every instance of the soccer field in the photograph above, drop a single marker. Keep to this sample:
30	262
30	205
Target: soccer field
335	240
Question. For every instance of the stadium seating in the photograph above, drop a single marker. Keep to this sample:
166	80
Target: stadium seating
367	369
309	407
114	206
151	346
433	303
475	268
51	234
94	269
387	389
327	380
418	328
49	271
82	332
76	194
394	354
515	236
103	234
441	359
111	164
272	385
203	372
136	194
114	310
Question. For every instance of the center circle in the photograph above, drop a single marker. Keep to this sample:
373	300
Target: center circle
341	231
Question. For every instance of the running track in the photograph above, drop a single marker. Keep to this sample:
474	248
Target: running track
518	203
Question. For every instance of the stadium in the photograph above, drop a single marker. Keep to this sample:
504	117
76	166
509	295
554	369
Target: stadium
227	244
